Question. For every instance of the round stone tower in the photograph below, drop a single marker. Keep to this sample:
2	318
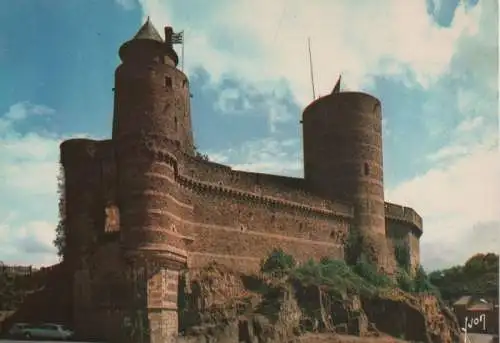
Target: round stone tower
151	128
151	94
151	119
342	137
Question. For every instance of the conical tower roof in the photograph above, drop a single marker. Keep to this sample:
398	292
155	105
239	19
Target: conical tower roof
148	31
148	38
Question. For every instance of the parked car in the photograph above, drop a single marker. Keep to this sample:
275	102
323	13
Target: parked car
47	331
16	330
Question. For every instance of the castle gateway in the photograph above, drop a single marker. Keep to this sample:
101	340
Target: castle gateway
142	206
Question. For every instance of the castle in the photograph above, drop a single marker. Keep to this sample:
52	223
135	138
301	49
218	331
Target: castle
141	206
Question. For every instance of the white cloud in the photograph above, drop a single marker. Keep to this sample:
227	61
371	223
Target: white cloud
243	98
127	4
28	207
459	195
470	124
266	156
455	200
267	40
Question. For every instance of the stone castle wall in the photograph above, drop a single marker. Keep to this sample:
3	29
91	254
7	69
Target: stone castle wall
191	207
216	214
84	202
210	210
403	224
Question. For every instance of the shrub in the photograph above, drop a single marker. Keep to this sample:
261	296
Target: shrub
338	272
404	280
369	272
278	263
422	283
334	275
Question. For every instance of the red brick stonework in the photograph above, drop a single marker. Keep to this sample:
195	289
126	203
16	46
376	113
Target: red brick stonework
141	206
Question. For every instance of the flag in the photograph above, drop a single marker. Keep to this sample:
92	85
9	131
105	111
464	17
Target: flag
178	38
336	89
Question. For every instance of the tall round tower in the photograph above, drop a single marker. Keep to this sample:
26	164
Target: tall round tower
151	116
342	137
151	125
151	94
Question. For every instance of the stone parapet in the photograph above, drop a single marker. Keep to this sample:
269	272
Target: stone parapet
405	214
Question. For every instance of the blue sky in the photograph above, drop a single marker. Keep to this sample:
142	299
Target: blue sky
433	64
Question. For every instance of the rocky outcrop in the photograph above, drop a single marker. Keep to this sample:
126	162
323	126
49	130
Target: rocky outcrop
226	306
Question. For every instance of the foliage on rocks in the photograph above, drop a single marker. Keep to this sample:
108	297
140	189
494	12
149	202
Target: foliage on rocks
369	272
334	296
333	275
404	280
342	279
278	263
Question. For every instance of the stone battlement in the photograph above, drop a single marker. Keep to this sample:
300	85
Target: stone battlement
405	214
207	176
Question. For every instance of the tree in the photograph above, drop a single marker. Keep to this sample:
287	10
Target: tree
478	276
60	239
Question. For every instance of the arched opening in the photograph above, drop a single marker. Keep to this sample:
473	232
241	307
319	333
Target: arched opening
176	126
366	169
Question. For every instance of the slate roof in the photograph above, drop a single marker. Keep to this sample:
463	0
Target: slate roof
464	300
148	31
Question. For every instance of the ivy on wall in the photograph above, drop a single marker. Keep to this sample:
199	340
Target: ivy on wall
60	239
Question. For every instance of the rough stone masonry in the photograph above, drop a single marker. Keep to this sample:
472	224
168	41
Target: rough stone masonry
141	206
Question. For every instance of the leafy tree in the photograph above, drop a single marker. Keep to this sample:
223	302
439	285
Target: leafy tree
478	276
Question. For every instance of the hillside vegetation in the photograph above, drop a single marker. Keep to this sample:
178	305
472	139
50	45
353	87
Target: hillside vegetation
289	299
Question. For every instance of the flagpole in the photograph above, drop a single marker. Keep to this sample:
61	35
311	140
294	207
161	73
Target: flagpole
311	67
182	52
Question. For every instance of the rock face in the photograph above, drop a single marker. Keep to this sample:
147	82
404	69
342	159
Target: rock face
225	306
